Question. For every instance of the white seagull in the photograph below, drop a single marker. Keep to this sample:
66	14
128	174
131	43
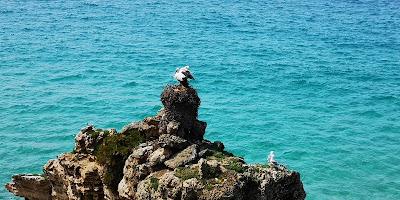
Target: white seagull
182	75
271	158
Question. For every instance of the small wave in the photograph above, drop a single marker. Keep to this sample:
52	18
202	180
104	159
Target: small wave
87	18
6	11
90	4
130	84
300	82
385	98
389	128
67	78
20	73
27	29
304	82
73	99
219	81
93	71
50	108
371	113
14	73
22	107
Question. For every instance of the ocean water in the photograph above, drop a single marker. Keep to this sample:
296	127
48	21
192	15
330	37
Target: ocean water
318	82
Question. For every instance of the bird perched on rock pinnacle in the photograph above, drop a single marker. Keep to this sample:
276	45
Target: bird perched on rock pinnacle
182	75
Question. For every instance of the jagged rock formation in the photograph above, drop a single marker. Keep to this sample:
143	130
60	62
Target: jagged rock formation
30	186
181	105
161	157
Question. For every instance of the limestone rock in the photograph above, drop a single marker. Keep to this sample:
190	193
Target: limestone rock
180	113
190	189
159	156
276	182
182	158
172	142
169	185
142	151
134	171
149	127
87	139
198	130
209	168
33	187
173	128
76	176
144	190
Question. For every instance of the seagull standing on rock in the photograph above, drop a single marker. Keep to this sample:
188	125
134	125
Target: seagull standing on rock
271	158
182	75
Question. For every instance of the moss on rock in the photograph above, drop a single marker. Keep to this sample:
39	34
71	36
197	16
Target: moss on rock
236	166
113	152
219	155
187	173
118	144
154	183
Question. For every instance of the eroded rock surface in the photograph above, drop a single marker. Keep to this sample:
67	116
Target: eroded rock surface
161	157
34	187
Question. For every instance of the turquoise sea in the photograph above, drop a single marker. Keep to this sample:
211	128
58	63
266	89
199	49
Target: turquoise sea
318	82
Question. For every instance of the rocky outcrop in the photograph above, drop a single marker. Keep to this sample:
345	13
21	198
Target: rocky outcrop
161	157
76	176
30	186
180	113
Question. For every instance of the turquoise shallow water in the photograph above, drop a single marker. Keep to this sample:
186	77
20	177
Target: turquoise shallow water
318	82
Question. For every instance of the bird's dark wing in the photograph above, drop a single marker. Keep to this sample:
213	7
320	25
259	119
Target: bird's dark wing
188	74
